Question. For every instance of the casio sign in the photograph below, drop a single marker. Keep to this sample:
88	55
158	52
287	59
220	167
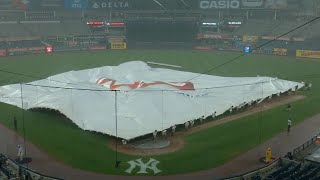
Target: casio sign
220	4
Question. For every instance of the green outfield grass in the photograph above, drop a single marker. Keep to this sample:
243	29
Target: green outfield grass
59	137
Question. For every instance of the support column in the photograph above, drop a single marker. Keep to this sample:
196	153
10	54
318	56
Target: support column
247	14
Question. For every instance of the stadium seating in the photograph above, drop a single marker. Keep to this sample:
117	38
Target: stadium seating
10	170
33	15
13	30
310	31
5	168
295	171
277	27
42	28
257	27
3	45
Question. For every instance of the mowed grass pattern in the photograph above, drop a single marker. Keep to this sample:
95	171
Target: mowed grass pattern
63	140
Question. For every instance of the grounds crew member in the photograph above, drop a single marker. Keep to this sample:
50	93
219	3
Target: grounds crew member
268	155
20	153
186	125
289	125
173	128
15	124
155	136
164	134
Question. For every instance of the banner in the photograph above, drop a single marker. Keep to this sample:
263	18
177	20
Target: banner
117	45
274	37
29	50
205	48
220	4
280	51
108	4
308	54
247	38
76	4
213	36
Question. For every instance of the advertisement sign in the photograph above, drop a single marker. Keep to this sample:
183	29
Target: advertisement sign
95	23
219	4
119	45
3	53
29	50
13	50
14	5
213	36
252	4
203	48
44	4
298	39
280	51
247	38
308	54
31	4
274	37
116	40
108	4
209	24
49	49
76	4
243	4
95	48
236	38
115	24
247	49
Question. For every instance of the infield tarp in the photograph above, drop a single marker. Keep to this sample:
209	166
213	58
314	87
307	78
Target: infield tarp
148	99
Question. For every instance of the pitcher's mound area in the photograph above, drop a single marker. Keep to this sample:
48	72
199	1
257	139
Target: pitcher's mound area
173	143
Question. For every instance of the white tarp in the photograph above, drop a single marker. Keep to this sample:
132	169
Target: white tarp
148	98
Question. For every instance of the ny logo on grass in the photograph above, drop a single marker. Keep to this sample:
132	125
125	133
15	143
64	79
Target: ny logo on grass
151	164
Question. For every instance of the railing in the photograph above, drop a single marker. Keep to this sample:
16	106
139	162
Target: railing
32	174
304	145
266	169
261	171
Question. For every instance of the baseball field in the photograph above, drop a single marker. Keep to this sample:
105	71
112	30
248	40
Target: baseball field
64	141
